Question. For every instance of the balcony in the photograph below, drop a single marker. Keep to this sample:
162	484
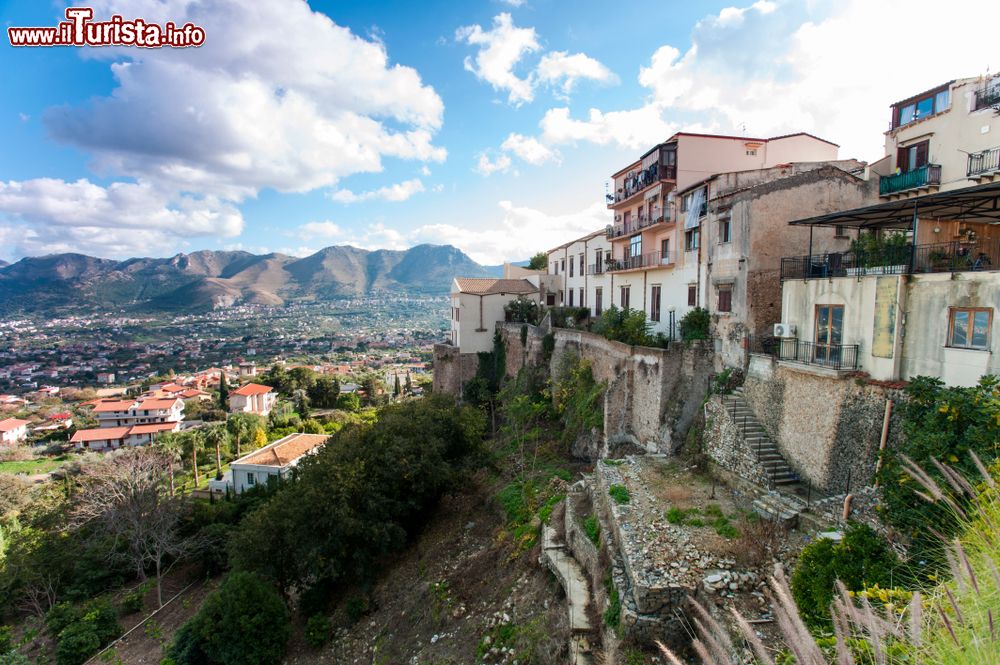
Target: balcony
840	357
983	163
596	269
986	97
635	225
925	176
640	181
639	262
956	256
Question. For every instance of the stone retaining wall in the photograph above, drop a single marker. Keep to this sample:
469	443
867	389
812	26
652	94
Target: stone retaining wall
725	446
452	369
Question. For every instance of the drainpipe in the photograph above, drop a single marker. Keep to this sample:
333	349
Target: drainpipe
913	245
810	259
884	439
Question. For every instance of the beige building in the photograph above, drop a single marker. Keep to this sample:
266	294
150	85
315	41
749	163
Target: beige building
942	139
477	305
921	309
253	398
655	235
13	431
579	266
268	464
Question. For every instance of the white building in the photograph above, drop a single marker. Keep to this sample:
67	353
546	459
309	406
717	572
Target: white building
581	268
112	438
125	413
13	431
477	305
253	398
275	460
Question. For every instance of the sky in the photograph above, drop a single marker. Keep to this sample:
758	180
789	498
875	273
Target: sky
492	126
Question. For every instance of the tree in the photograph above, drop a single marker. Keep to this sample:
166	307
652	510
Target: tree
695	324
123	498
217	436
171	446
195	440
242	427
409	384
539	261
324	392
223	391
397	389
302	402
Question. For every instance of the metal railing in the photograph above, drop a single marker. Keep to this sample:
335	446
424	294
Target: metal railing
636	225
596	269
954	256
928	174
984	162
986	97
834	356
649	260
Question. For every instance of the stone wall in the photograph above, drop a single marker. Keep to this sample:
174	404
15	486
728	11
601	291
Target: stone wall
652	395
828	428
452	369
524	345
725	446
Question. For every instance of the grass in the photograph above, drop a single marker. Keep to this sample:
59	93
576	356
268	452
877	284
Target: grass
33	466
593	529
714	517
620	494
613	614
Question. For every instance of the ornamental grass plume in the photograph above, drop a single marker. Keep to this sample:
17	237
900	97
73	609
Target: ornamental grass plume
953	622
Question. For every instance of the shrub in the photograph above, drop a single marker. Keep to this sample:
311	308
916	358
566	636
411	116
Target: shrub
695	324
524	310
317	630
568	317
77	643
134	600
245	621
61	615
578	399
620	494
613	613
6	639
862	559
592	527
628	326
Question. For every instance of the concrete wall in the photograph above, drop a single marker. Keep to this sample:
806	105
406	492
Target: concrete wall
452	369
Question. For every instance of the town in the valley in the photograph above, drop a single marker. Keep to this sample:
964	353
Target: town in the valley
752	417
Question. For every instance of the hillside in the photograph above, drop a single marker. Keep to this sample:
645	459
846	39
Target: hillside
207	279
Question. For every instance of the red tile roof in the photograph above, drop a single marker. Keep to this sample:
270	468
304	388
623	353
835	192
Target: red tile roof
252	389
99	434
284	451
106	405
158	403
8	424
152	428
483	286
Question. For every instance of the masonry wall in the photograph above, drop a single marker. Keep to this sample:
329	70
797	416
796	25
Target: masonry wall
452	369
652	395
725	446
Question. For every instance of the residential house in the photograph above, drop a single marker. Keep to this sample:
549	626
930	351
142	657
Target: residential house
127	412
13	431
112	438
655	238
942	139
107	378
579	266
273	461
253	398
477	305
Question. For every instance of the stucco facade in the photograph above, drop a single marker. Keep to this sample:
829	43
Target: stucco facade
579	268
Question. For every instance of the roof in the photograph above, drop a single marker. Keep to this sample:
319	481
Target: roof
251	389
750	138
106	405
284	451
191	392
484	286
153	428
158	403
171	387
99	434
925	92
9	424
970	204
589	236
63	415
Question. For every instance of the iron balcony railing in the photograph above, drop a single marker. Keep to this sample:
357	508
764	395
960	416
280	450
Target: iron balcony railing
641	180
650	260
833	356
928	174
955	256
635	225
986	97
596	269
983	162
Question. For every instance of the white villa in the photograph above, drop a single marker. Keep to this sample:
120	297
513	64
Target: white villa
275	460
13	431
253	398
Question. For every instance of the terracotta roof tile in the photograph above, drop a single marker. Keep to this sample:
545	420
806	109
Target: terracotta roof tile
483	286
284	451
99	434
252	389
9	424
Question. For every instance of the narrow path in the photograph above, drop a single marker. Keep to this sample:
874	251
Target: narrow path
556	556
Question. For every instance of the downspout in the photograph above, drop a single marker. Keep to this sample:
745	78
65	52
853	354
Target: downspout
809	260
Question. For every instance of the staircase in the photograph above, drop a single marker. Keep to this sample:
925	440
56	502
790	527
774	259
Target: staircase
775	466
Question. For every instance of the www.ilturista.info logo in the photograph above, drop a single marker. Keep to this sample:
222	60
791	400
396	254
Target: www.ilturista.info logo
79	30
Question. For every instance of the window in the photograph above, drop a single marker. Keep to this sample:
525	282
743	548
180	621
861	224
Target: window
969	328
571	262
582	269
251	479
725	230
563	265
624	302
571	297
654	303
557	267
751	153
635	245
726	298
934	102
912	157
456	313
598	301
840	231
665	250
582	298
550	299
691	240
692	295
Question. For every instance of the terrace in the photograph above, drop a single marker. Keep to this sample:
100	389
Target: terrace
639	262
928	175
637	224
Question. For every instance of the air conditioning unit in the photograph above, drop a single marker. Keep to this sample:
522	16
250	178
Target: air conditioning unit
784	330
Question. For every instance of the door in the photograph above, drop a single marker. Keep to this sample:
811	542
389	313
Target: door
829	334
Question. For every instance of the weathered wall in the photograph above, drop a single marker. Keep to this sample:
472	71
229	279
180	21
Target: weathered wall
452	369
827	428
726	447
524	345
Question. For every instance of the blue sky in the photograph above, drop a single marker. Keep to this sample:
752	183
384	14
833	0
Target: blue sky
492	126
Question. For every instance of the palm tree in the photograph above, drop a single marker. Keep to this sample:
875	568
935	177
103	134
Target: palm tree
171	445
196	439
239	428
218	436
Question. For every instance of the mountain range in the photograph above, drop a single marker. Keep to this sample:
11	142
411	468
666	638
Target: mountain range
207	279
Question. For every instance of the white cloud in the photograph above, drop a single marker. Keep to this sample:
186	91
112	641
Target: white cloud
396	192
529	149
500	49
487	167
777	67
559	68
324	229
514	3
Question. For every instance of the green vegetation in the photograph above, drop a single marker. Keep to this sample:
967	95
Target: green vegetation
592	527
81	631
524	310
34	466
568	317
713	517
245	621
317	630
613	613
620	494
521	641
539	261
873	249
628	326
696	324
483	390
862	559
577	399
940	424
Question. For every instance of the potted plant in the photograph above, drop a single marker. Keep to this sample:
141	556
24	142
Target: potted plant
884	253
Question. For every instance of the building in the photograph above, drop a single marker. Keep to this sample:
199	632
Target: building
13	431
942	139
655	236
579	266
147	410
248	369
477	305
275	461
112	438
744	233
107	378
898	308
253	398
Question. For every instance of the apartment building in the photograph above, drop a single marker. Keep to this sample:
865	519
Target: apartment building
112	438
580	266
655	237
144	411
253	398
942	139
477	304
